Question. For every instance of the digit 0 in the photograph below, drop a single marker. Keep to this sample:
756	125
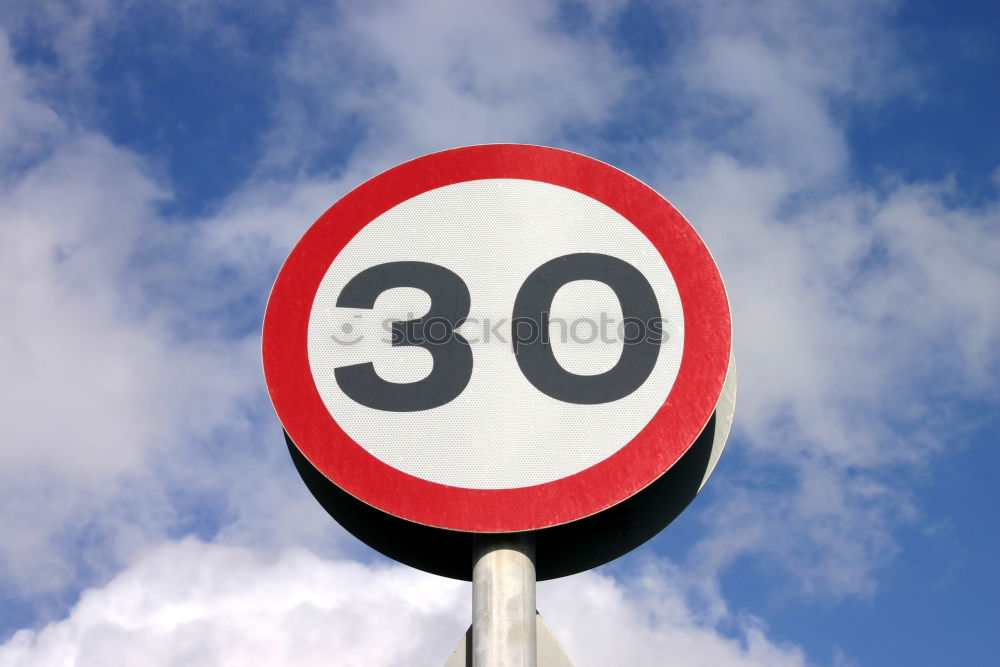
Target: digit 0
639	308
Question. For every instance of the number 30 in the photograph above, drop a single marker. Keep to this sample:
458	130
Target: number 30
452	356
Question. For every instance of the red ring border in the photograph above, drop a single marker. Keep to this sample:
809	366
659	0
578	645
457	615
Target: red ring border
667	436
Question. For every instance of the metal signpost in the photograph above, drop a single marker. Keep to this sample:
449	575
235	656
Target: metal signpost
500	363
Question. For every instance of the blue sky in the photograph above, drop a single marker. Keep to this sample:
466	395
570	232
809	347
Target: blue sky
158	160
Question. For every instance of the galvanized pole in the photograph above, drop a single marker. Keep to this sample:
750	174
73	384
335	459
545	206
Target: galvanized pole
503	601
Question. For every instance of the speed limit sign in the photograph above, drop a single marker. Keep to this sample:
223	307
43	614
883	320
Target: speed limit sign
494	339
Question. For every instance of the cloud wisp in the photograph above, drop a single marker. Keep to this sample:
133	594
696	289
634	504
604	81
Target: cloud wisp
208	604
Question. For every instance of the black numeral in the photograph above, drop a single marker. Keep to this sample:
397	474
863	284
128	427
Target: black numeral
638	304
433	332
452	356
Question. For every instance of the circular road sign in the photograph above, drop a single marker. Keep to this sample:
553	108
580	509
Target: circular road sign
497	338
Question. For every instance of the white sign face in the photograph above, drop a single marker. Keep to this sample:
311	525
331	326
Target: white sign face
497	338
501	431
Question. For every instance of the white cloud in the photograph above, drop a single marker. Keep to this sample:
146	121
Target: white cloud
25	123
417	78
111	409
764	75
67	225
83	395
850	313
193	603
